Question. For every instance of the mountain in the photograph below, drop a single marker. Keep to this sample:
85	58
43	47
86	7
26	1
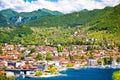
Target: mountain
107	21
5	16
72	19
8	13
23	17
41	13
97	18
4	21
107	26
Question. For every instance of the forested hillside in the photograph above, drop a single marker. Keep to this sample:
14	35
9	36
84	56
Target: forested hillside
4	21
107	21
72	19
23	17
107	26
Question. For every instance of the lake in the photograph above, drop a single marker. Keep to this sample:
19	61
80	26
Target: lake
81	74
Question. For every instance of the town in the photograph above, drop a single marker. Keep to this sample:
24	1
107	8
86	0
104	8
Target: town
42	61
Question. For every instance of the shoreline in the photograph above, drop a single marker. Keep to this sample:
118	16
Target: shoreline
64	69
51	75
47	76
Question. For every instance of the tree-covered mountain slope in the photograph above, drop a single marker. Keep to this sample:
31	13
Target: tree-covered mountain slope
105	27
4	21
23	17
72	19
8	13
108	21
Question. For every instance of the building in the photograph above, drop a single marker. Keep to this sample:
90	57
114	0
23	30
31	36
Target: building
92	62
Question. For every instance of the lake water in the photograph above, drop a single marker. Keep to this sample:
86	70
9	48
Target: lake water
81	74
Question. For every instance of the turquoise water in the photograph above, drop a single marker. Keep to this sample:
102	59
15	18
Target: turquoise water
81	74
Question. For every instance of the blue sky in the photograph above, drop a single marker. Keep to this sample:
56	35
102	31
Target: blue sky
53	0
29	0
65	6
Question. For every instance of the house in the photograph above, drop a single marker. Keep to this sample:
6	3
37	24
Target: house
21	48
83	62
27	52
13	54
92	62
27	68
55	58
64	63
8	47
2	64
63	54
50	62
3	57
57	64
115	64
9	74
73	53
76	65
19	63
96	55
41	66
55	54
11	64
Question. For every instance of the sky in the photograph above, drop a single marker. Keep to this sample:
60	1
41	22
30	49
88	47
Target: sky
64	6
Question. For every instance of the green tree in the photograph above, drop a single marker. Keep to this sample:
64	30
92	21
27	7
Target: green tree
1	49
119	47
32	50
39	73
60	48
82	57
118	59
90	55
99	62
108	60
116	75
4	37
70	65
3	77
53	70
22	58
105	61
71	57
39	57
48	57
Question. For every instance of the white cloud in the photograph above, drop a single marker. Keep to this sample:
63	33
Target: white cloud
65	6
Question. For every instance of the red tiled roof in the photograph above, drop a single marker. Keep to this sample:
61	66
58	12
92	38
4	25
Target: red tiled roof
13	52
4	57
